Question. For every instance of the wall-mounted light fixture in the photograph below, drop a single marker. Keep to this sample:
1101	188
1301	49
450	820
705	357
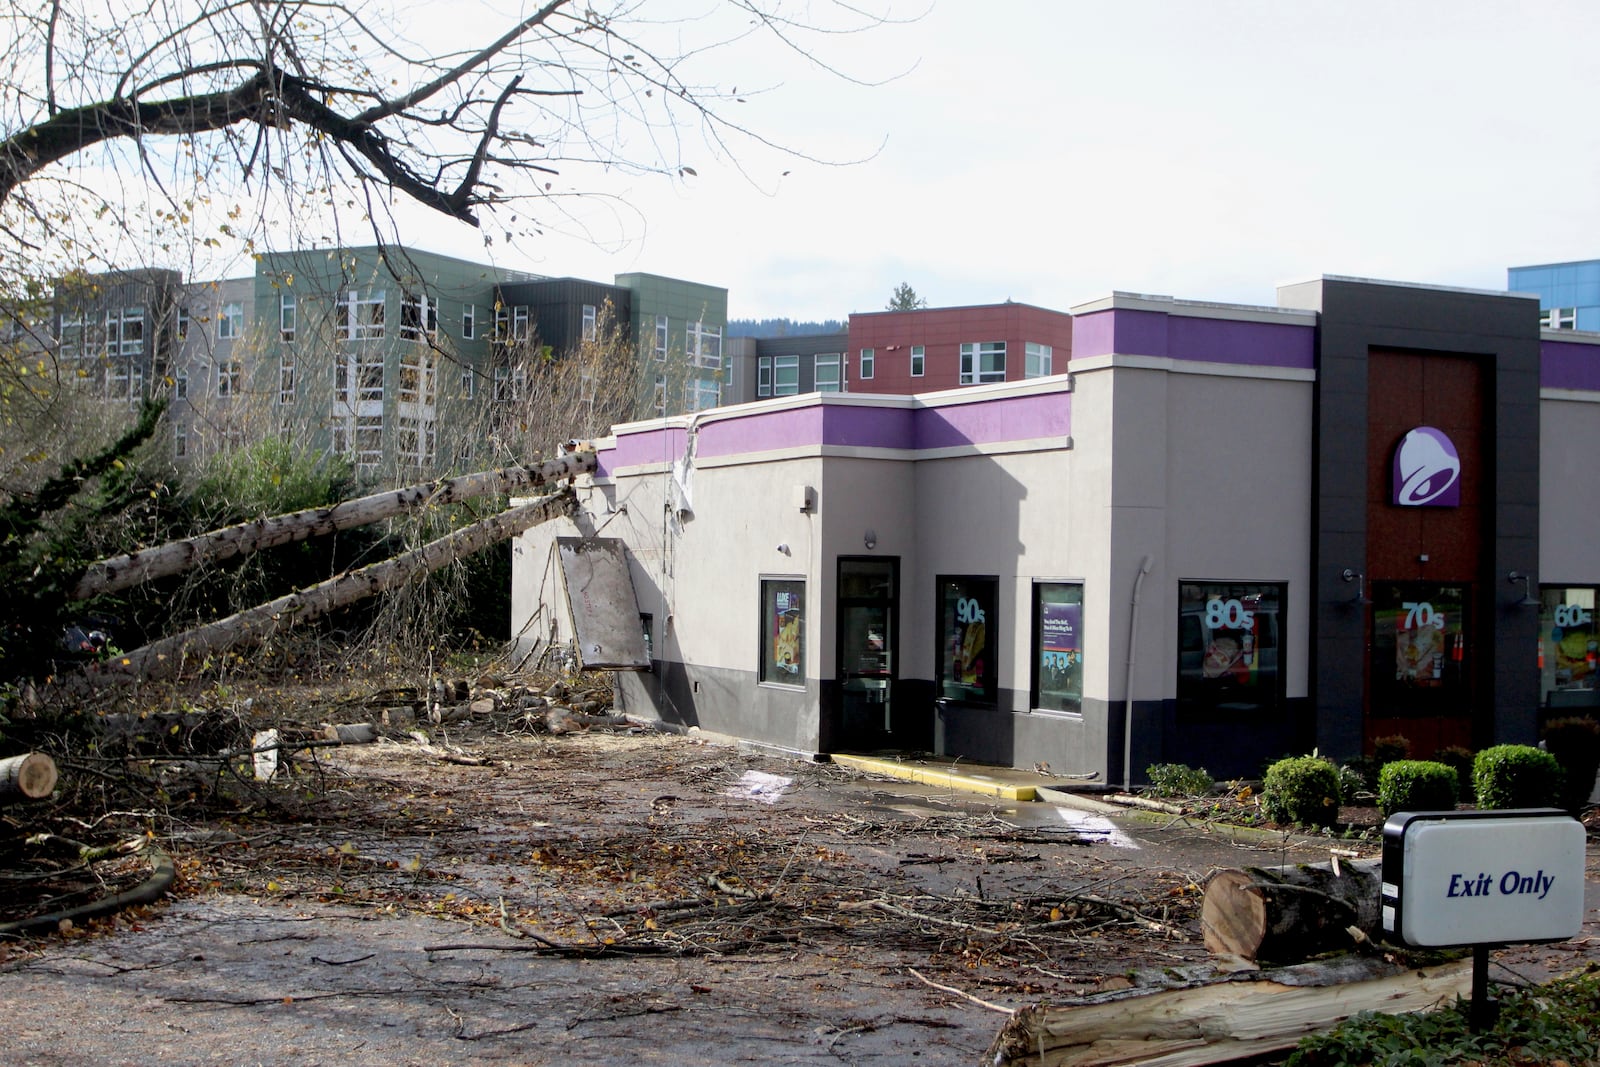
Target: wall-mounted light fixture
870	539
1361	585
784	548
1528	599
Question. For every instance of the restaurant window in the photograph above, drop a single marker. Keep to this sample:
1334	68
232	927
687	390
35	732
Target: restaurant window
1229	651
1569	647
968	667
1057	646
783	631
1420	665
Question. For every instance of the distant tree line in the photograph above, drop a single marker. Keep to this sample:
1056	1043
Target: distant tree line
782	327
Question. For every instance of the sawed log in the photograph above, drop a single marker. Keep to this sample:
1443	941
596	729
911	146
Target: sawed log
126	571
1288	914
168	656
1247	1014
31	776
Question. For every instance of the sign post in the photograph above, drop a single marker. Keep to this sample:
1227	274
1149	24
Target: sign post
1482	878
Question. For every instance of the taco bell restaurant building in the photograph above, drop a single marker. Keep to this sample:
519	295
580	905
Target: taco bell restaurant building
1224	534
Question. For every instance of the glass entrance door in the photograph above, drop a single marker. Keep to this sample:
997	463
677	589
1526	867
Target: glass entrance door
868	614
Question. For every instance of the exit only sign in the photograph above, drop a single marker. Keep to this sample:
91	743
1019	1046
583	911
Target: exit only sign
1482	877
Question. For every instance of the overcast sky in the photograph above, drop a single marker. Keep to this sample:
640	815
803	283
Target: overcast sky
1050	151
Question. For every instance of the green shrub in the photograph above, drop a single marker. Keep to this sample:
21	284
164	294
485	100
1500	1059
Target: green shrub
1385	750
1545	1024
1178	780
1516	776
1353	781
1460	760
1302	789
1416	785
1575	743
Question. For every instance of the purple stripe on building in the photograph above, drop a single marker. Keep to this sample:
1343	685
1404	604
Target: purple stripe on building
761	432
649	446
1017	418
1155	333
1565	365
870	427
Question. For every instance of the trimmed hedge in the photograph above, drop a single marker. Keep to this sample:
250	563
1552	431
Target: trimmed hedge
1416	785
1516	776
1575	743
1301	789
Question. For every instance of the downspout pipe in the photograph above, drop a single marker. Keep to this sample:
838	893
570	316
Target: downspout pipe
1145	566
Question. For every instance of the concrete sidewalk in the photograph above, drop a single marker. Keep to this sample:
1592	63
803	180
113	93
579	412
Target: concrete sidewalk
1004	783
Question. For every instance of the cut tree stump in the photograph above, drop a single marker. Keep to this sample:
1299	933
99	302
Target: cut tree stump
1246	1015
1288	914
27	777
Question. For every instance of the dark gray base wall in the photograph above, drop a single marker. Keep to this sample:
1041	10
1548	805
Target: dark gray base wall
724	702
1233	745
1070	744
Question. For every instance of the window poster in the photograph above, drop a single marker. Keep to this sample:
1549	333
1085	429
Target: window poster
1419	648
783	637
1058	609
967	655
1569	644
1228	652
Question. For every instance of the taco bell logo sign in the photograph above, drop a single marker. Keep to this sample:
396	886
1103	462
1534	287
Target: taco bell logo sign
1427	470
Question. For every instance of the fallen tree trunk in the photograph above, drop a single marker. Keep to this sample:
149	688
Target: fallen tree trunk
169	656
1286	914
1245	1015
27	777
126	571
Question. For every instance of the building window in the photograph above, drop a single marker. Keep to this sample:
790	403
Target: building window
231	324
827	373
124	331
180	442
869	362
361	317
662	337
415	440
704	345
229	376
288	313
1037	360
183	324
369	442
783	631
419	317
591	323
469	321
286	376
982	362
1229	656
502	322
180	385
468	383
120	380
1419	661
1558	319
509	383
369	377
704	393
1057	646
919	361
419	377
968	645
785	375
660	398
519	322
1569	647
764	376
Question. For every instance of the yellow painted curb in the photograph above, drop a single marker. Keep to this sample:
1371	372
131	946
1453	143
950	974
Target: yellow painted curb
967	781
